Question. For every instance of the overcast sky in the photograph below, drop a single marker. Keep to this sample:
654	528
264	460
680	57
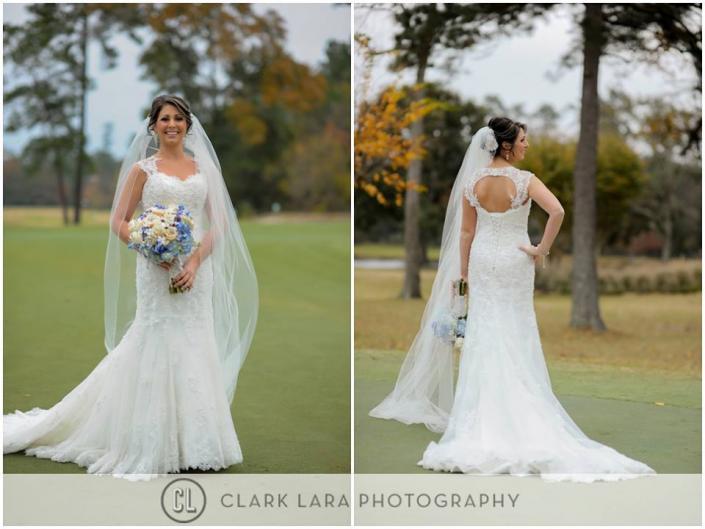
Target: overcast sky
516	68
119	93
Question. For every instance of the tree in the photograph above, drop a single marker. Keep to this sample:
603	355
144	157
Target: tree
195	50
585	308
670	202
51	111
620	178
383	150
255	100
448	125
642	29
318	161
47	56
100	188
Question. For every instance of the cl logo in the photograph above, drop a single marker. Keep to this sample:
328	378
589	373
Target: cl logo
183	500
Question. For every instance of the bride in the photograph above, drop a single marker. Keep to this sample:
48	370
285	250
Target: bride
159	401
504	417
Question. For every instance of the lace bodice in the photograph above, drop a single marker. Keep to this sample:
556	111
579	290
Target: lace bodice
166	189
497	266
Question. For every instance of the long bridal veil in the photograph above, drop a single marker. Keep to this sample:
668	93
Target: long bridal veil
423	392
235	296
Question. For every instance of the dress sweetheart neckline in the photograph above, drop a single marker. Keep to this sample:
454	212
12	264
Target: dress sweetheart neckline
173	177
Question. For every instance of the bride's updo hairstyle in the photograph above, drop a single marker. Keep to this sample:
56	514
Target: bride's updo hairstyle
176	101
505	131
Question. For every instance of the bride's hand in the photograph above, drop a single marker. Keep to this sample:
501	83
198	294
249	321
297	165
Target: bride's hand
185	278
165	266
532	251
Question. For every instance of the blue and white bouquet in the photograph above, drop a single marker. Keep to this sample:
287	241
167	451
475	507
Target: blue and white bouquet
449	326
163	234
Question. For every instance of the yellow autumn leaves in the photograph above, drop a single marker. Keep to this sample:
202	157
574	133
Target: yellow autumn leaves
384	146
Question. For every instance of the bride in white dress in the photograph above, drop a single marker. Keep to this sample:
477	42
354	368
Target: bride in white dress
503	417
159	402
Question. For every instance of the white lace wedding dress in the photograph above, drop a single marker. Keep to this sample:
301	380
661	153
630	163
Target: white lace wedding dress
505	417
157	403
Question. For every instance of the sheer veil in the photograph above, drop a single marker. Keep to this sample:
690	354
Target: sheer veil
235	296
423	392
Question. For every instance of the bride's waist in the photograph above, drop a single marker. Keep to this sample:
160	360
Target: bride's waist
503	236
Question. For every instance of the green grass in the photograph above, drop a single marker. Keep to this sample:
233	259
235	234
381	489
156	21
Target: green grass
636	387
292	406
650	417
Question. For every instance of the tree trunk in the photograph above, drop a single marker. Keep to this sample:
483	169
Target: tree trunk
78	189
412	228
585	307
61	189
666	249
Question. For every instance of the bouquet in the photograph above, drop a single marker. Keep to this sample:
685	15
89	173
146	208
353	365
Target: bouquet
449	326
163	234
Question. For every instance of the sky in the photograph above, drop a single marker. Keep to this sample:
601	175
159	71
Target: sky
517	68
119	93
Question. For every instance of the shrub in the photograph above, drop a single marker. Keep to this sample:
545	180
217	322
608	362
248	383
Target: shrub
697	279
685	282
643	285
661	282
629	283
563	285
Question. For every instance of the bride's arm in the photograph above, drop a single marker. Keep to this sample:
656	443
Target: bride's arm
185	278
467	234
130	196
206	246
550	204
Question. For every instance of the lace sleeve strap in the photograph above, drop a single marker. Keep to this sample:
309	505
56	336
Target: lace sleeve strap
523	185
469	189
470	195
148	165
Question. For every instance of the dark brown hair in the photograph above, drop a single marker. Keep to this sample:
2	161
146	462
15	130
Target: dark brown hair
159	102
505	130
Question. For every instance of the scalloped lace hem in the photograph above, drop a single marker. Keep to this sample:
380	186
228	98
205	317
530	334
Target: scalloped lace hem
521	471
46	453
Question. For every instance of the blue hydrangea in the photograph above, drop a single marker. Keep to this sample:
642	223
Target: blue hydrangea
447	327
162	250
